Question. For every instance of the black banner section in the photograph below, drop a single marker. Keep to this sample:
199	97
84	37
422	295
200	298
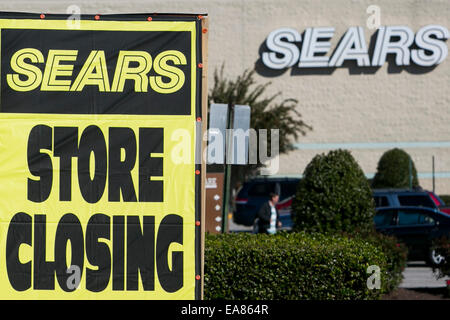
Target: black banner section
258	310
96	72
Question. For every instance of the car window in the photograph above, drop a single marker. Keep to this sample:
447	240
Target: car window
381	201
426	219
261	189
408	217
384	218
438	201
416	201
288	189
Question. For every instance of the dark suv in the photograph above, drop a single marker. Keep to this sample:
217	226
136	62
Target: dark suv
256	191
409	198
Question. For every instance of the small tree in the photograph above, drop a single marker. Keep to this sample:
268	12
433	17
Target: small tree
333	196
393	170
266	113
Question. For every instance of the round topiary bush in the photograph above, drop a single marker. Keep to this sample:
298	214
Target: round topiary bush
333	196
393	170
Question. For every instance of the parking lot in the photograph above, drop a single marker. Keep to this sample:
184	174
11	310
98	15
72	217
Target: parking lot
418	275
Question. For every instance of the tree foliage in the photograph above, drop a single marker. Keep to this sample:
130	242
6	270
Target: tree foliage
333	196
393	170
270	112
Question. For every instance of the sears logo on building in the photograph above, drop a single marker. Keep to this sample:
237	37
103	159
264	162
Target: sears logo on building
426	48
96	71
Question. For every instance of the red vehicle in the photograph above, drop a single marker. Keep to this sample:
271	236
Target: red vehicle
439	203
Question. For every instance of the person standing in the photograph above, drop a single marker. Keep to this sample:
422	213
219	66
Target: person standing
268	217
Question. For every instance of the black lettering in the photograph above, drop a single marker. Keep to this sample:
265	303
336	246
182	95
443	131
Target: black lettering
120	171
170	230
69	228
43	271
98	253
118	252
141	252
66	147
92	140
150	141
39	164
19	232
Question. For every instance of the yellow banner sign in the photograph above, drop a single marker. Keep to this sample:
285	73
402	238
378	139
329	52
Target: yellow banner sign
98	183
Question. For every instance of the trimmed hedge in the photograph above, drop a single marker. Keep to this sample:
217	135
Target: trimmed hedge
293	266
393	170
333	196
445	198
395	252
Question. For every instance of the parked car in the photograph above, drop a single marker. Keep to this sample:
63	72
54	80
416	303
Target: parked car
407	197
416	227
256	191
441	205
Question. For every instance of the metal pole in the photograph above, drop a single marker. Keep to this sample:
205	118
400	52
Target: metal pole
227	174
432	162
410	173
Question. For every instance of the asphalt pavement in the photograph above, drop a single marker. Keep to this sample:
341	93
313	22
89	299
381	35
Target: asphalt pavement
233	227
418	275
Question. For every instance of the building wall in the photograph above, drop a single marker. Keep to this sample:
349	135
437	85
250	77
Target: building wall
367	113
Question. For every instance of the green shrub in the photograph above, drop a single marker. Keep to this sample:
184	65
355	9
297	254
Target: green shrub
333	196
396	254
445	198
393	170
292	266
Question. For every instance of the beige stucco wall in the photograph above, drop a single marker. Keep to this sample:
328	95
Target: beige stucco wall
343	108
